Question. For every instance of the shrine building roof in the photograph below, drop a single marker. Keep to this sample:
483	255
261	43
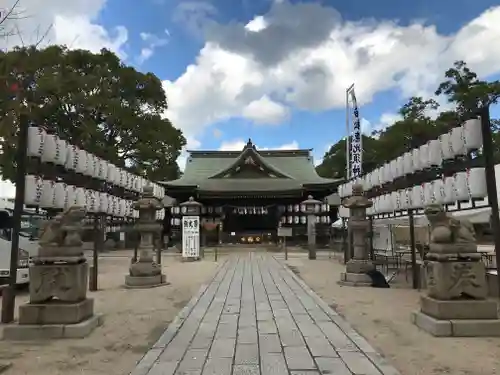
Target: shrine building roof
250	170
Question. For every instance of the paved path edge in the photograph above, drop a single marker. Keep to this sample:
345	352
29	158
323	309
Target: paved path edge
363	345
143	366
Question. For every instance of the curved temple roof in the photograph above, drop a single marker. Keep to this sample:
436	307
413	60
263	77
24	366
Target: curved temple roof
273	170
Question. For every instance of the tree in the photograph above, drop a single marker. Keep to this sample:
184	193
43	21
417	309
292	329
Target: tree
417	126
95	102
7	15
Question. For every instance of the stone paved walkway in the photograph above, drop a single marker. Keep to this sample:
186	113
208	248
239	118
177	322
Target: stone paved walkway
257	317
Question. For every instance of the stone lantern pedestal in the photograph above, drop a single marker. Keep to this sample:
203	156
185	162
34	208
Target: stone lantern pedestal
310	205
358	266
58	305
456	302
145	272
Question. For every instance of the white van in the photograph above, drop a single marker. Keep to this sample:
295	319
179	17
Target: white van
28	241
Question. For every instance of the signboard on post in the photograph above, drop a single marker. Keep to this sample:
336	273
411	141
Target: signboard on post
191	237
284	232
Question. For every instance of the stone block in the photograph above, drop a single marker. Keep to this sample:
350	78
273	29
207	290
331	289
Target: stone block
34	332
140	282
67	282
492	280
450	280
355	279
56	312
476	328
459	309
439	328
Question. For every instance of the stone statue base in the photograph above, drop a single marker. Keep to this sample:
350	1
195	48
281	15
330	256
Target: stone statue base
355	274
58	307
455	279
457	318
144	282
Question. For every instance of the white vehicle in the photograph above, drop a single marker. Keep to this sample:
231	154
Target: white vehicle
28	244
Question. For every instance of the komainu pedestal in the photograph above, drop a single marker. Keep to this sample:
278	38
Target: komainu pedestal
456	303
359	226
145	272
58	305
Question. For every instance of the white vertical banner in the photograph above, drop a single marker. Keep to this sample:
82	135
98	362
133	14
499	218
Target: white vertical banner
190	236
356	140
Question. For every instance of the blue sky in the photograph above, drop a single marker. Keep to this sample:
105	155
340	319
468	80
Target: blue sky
303	126
276	70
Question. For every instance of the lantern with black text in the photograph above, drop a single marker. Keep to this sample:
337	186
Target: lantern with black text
33	190
47	199
473	134
35	141
461	187
477	183
458	141
60	195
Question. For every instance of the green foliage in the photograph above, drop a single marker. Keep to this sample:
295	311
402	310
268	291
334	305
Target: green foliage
95	102
461	88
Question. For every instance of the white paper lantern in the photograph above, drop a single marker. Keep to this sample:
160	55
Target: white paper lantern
399	167
103	170
375	178
340	191
435	154
123	208
111	205
367	182
35	141
450	195
423	153
103	203
408	163
446	147
415	154
428	191
80	197
90	165
348	189
118	177
123	178
50	148
416	197
96	206
439	191
33	190
81	165
393	166
473	134
111	173
89	200
403	199
47	199
71	157
61	152
477	183
70	196
60	195
461	187
458	141
394	196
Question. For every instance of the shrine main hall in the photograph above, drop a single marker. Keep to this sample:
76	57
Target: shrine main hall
250	193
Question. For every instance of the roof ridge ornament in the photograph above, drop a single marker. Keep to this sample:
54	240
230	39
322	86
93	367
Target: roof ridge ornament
250	144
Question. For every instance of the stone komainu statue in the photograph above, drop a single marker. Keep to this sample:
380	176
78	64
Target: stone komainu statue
448	230
63	230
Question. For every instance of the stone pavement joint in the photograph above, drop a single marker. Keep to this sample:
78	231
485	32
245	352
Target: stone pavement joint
257	317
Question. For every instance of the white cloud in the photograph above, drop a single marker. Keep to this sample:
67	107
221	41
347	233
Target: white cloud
64	22
265	111
152	42
305	55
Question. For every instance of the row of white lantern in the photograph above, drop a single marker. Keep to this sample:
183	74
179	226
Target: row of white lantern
48	194
458	142
302	208
303	219
51	149
462	187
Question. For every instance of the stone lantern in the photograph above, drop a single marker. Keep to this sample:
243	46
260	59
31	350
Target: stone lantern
145	272
310	210
191	224
358	227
